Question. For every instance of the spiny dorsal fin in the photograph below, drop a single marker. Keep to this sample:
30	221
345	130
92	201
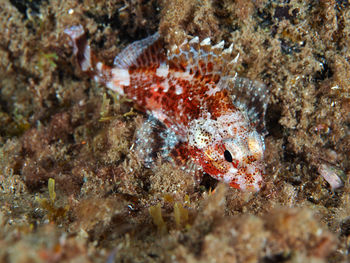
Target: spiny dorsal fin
201	58
143	53
251	96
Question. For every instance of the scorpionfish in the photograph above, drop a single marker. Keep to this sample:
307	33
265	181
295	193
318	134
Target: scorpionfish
211	116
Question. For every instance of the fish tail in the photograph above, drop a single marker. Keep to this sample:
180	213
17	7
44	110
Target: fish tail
86	59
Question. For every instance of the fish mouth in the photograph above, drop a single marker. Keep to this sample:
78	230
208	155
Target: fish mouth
255	187
258	181
246	179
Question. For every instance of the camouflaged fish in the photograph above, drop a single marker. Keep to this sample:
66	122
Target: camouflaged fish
211	116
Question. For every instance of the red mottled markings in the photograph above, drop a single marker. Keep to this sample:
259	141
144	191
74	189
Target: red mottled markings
234	184
235	163
175	65
249	159
210	66
202	66
209	167
151	92
141	80
181	153
249	178
224	105
180	88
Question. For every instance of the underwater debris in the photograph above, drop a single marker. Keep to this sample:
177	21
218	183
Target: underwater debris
333	175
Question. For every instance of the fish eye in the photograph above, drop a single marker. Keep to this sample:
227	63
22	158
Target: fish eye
228	156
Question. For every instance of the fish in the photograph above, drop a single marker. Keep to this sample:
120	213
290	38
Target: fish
210	116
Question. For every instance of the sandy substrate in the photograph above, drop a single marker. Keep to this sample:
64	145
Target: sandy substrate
102	205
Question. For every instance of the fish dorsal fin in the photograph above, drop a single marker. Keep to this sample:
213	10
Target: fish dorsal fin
142	53
201	58
252	97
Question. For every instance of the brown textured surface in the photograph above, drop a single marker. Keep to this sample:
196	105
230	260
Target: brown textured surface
56	123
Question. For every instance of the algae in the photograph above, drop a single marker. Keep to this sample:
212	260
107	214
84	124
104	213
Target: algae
57	124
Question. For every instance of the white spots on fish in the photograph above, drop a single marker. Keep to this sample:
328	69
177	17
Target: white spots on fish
183	75
116	88
99	67
200	132
162	70
178	90
212	90
159	114
232	170
229	177
241	181
233	123
165	85
99	72
120	78
180	107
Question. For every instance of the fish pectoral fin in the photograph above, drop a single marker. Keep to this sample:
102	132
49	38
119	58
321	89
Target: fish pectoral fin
153	140
183	156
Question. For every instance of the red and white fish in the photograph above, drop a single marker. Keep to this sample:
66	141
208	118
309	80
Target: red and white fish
212	116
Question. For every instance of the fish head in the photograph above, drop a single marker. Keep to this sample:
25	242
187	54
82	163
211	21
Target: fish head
231	154
244	165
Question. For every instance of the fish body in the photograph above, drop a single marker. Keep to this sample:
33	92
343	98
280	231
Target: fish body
188	90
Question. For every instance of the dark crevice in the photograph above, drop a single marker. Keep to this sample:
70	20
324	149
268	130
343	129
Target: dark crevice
24	6
273	115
